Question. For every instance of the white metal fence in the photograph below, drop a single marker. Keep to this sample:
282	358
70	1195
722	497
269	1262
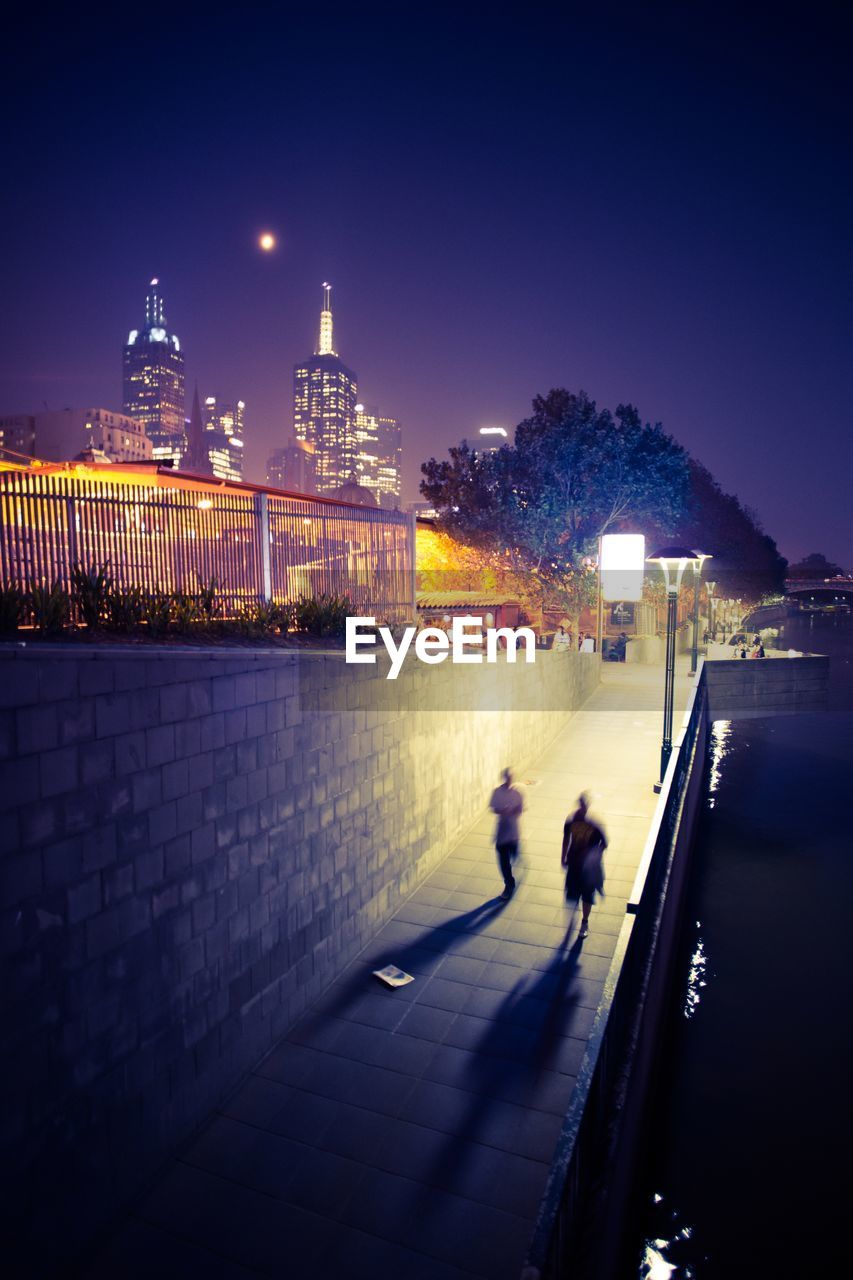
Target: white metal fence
170	536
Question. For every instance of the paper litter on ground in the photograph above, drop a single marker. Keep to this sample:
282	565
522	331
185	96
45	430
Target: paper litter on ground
392	976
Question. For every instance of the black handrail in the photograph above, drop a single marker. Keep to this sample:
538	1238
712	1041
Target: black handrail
562	1237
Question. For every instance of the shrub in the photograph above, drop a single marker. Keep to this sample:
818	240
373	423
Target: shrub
323	615
12	600
209	603
50	607
157	611
125	609
264	616
90	589
186	612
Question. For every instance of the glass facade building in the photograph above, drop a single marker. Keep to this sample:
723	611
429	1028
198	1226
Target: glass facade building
378	456
153	381
223	437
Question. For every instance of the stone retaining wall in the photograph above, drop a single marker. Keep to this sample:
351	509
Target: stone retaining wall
193	845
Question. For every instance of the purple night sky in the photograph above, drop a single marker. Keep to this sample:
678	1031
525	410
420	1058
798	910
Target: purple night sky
654	209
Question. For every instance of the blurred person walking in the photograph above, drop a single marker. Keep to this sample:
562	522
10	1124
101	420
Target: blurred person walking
508	803
582	855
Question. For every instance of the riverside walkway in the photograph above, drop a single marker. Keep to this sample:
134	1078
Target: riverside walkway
409	1132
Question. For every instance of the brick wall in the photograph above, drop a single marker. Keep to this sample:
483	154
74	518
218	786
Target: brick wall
192	846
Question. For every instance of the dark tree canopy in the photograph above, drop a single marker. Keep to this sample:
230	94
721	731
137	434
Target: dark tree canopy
746	562
815	565
574	473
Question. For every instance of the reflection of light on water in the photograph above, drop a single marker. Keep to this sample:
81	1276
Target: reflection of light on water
720	731
655	1265
695	978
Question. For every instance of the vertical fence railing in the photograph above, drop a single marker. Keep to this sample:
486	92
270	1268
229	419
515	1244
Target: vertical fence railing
167	537
560	1248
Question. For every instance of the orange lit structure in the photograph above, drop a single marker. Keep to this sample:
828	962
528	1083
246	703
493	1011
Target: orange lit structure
170	531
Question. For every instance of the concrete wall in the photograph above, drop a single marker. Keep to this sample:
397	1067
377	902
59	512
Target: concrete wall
193	846
754	688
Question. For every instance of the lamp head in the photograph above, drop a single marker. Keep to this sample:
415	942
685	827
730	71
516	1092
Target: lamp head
673	560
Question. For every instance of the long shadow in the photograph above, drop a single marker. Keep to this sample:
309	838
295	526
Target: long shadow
419	956
501	1053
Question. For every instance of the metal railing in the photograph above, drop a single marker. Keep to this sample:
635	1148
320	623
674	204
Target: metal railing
573	1216
160	534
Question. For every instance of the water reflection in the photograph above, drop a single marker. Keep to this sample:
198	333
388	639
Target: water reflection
720	748
695	977
660	1260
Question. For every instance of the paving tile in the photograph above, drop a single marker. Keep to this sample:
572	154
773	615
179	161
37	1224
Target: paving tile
234	1222
305	1117
426	1023
257	1100
366	1085
440	993
139	1251
245	1154
462	969
450	1228
383	1048
355	1255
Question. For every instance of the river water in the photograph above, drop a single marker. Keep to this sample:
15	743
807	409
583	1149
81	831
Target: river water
746	1175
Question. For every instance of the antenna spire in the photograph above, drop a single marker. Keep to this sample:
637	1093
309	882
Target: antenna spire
324	347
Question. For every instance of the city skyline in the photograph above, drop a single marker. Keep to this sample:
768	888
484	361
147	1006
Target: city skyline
665	226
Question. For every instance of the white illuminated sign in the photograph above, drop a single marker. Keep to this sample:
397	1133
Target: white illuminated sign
623	562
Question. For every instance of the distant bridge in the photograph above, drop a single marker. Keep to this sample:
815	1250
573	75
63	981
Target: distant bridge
822	590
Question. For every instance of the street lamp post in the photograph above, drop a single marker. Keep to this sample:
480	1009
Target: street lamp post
673	561
701	557
712	626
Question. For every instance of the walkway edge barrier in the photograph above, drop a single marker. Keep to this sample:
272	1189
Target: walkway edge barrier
578	1231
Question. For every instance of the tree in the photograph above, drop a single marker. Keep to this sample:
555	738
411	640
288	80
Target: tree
746	562
815	565
574	473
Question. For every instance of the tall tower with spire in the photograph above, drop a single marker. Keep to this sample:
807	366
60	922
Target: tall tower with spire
325	392
153	386
196	457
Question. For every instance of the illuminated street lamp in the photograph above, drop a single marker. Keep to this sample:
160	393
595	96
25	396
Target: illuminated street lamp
701	557
673	561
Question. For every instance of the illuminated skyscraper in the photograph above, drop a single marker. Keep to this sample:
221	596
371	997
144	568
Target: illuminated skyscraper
154	381
223	437
378	456
324	397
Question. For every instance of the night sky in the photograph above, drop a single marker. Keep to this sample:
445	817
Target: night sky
652	208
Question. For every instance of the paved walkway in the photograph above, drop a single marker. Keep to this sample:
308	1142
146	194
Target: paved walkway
408	1133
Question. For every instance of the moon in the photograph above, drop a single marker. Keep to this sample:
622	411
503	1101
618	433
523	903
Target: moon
267	241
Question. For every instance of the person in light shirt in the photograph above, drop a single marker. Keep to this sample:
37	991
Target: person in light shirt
507	802
562	640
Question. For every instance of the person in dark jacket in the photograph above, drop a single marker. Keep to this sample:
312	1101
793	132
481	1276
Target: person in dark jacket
584	843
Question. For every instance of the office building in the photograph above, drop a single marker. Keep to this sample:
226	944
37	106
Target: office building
378	455
324	399
223	436
17	437
292	468
153	366
60	435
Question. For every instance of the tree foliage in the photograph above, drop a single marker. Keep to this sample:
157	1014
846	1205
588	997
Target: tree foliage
746	562
815	566
574	473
